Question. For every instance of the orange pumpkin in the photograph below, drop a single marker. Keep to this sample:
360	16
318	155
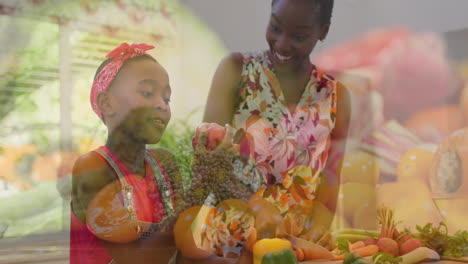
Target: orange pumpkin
107	217
189	223
435	123
449	171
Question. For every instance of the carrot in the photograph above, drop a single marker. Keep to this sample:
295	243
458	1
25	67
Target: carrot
310	253
299	254
367	251
336	251
356	245
339	257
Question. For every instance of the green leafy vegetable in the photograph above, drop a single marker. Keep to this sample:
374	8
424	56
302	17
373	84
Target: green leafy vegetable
457	245
342	245
438	239
383	258
354	259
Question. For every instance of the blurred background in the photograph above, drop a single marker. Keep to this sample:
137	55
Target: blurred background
350	18
50	50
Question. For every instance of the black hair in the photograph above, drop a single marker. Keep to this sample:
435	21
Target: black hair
326	9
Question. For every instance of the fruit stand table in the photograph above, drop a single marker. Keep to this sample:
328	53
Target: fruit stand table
54	249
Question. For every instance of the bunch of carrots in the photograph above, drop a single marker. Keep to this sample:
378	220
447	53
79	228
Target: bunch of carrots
389	240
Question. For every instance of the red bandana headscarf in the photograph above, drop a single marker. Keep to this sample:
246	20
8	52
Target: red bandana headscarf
108	73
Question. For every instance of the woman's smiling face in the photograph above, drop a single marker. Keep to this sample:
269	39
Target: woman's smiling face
293	31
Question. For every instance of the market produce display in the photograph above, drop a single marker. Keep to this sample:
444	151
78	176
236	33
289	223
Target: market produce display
273	224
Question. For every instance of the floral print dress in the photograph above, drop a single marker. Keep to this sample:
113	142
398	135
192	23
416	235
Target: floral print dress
286	140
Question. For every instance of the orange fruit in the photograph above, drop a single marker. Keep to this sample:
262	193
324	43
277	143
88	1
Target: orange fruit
359	167
107	217
187	228
415	163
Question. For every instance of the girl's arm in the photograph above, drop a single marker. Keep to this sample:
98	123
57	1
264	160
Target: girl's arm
223	92
89	175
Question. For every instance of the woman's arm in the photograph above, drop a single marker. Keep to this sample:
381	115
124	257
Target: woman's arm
223	92
343	112
327	193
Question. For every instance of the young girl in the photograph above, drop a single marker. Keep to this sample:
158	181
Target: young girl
124	195
290	107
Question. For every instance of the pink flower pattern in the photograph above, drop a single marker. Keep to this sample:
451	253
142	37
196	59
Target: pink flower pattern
284	140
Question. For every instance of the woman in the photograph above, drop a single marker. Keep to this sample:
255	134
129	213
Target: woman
290	107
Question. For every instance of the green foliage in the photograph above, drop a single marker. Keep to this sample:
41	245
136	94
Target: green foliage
383	258
437	237
178	138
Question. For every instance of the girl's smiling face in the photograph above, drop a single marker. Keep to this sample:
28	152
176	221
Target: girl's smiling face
139	100
293	31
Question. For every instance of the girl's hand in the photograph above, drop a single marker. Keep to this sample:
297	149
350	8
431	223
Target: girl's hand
210	167
216	164
213	169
